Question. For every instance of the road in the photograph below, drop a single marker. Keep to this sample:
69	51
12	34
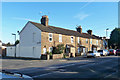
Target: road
75	68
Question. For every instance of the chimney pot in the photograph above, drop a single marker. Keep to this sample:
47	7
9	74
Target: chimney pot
44	20
79	29
89	32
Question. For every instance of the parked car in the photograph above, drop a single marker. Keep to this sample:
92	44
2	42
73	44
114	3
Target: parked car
103	52
112	52
93	54
15	76
118	52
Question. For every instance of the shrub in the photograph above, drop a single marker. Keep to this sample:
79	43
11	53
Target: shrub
59	49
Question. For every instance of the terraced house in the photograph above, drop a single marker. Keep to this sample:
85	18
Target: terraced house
36	39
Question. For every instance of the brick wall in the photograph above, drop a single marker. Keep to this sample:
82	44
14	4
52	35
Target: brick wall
66	39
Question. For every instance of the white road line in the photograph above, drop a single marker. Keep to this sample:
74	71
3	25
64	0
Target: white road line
71	64
44	74
94	64
111	74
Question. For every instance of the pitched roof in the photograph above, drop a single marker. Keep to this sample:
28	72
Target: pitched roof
52	29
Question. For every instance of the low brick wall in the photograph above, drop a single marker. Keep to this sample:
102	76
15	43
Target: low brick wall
57	56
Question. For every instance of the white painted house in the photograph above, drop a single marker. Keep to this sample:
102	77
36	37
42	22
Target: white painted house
30	39
29	46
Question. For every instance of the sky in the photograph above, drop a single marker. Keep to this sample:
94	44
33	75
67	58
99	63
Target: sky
96	16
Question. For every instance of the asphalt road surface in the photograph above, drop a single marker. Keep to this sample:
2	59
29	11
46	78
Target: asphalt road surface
74	68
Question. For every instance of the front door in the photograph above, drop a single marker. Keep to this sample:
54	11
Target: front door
72	50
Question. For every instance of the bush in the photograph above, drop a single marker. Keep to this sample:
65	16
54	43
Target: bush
59	49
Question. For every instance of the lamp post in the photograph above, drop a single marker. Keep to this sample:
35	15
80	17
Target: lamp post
15	44
107	36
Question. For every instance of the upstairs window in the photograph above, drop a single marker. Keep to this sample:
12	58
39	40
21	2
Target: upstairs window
72	39
60	38
50	37
78	40
86	40
96	42
90	41
34	36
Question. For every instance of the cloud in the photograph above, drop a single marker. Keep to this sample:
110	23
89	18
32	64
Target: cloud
25	19
81	16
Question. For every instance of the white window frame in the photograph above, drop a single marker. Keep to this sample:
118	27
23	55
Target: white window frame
50	49
60	37
50	37
78	40
86	41
90	41
44	52
79	50
72	39
96	42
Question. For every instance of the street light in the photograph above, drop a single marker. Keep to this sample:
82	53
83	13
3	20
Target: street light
15	44
107	36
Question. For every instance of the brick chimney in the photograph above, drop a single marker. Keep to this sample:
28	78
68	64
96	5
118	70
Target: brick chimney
44	20
89	32
79	29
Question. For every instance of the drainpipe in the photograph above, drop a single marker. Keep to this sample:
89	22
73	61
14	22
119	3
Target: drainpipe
89	44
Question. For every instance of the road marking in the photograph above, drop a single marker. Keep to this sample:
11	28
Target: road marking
111	74
71	64
44	74
94	64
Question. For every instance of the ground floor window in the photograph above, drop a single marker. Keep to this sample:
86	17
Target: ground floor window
44	50
50	49
79	50
67	50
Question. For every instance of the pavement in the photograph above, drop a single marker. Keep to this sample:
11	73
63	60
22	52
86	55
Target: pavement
71	68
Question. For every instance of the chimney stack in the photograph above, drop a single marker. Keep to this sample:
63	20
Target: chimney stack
79	29
44	20
89	32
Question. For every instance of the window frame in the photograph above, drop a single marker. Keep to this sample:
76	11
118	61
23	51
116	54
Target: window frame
90	41
43	50
50	49
97	42
78	40
72	39
50	37
86	41
60	39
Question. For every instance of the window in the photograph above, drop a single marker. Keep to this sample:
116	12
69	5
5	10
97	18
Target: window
50	49
60	38
90	41
44	50
72	39
86	40
78	40
79	50
50	37
97	42
33	36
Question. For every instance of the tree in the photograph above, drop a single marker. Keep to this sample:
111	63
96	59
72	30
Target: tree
8	44
59	49
17	42
114	41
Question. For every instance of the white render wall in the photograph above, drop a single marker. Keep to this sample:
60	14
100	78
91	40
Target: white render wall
10	51
30	42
